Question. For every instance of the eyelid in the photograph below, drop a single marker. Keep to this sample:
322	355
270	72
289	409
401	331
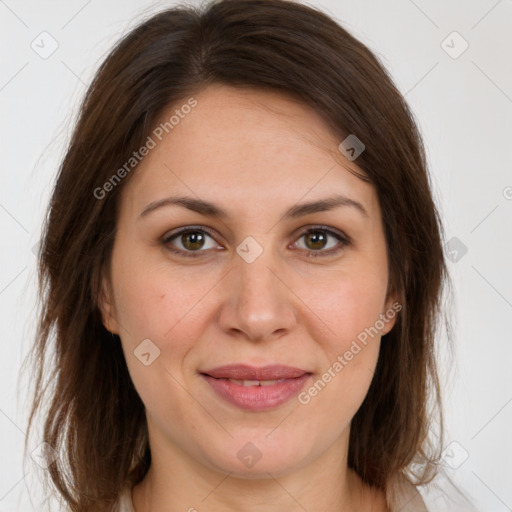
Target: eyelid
187	229
320	227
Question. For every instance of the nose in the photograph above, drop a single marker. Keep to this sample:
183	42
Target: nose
258	302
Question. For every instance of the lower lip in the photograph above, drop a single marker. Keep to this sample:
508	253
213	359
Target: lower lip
257	398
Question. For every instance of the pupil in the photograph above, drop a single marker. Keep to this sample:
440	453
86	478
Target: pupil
318	240
194	239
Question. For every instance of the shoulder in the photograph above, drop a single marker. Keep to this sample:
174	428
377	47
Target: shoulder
401	495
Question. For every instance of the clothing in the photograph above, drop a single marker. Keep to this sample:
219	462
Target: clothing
402	496
125	500
405	498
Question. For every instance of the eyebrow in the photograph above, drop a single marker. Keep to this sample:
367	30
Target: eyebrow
212	210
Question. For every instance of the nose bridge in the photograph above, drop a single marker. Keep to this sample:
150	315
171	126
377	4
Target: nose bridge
259	303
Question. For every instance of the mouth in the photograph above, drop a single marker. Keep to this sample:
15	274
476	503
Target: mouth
256	389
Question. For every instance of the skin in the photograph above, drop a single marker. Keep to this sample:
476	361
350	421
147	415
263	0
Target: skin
255	154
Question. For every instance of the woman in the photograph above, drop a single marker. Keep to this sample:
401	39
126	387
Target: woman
242	266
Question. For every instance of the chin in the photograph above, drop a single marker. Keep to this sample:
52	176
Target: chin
254	457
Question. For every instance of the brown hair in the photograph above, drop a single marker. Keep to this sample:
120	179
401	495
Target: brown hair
95	417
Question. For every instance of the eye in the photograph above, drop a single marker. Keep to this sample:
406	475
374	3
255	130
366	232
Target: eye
317	241
189	241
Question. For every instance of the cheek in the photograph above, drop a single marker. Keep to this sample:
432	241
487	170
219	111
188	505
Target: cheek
169	309
153	305
350	309
346	306
153	301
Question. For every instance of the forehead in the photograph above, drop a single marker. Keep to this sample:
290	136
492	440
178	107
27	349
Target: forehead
246	146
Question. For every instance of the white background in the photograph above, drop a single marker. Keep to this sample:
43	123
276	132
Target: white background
463	106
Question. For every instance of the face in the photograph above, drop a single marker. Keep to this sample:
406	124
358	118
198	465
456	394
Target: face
264	284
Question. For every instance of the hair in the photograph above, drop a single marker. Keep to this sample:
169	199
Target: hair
93	415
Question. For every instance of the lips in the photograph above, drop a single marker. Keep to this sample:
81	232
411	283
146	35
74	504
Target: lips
256	389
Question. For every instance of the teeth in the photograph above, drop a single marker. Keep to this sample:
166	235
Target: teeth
248	383
270	382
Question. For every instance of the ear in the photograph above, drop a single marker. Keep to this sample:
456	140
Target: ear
107	307
392	308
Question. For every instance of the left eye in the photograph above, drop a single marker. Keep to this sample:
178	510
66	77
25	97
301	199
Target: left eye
316	241
194	240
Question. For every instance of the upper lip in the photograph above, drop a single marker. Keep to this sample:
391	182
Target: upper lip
247	372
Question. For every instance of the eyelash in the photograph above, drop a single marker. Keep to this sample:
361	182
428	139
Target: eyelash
345	241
